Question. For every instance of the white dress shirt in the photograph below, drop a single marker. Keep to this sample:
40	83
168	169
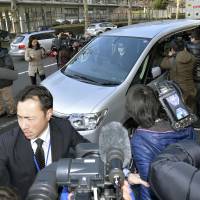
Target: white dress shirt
45	136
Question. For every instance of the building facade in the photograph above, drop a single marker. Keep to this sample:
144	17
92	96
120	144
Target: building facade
28	15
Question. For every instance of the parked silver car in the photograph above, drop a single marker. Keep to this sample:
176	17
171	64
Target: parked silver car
98	28
91	89
18	45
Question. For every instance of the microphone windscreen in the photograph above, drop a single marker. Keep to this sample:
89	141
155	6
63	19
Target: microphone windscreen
114	136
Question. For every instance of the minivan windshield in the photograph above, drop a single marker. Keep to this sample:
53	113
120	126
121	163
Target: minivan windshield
107	60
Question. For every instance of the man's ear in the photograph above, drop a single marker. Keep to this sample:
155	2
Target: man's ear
49	113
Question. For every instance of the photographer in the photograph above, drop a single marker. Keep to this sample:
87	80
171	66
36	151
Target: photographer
153	134
65	49
180	64
194	48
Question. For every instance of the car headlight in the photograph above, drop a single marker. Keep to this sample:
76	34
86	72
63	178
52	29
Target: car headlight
88	121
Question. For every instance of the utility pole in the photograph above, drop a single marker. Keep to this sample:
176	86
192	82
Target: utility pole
15	18
129	12
177	8
85	5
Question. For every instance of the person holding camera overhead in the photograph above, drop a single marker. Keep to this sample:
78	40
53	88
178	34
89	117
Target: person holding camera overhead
34	55
153	133
38	140
180	64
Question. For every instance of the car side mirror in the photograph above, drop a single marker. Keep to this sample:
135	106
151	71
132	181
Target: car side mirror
155	71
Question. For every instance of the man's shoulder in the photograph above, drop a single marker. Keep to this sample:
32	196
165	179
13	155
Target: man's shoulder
60	121
10	135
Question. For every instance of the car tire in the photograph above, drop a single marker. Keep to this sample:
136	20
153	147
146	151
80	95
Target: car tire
99	33
108	29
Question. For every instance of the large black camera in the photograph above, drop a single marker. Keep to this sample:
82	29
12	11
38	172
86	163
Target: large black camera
170	96
96	173
87	176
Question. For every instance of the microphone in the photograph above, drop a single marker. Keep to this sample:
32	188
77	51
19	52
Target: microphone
115	150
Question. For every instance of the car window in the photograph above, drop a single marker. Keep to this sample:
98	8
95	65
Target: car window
49	36
108	25
44	36
141	73
91	26
107	59
18	39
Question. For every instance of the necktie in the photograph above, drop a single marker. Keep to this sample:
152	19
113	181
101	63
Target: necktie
39	154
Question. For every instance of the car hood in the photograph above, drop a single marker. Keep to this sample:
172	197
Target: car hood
72	96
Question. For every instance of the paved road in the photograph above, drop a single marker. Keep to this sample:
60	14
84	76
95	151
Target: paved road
21	66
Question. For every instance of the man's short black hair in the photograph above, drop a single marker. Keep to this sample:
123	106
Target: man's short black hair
43	94
177	45
143	105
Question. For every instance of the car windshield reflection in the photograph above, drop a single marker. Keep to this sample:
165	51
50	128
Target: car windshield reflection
106	60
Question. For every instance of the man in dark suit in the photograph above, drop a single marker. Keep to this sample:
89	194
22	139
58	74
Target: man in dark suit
21	157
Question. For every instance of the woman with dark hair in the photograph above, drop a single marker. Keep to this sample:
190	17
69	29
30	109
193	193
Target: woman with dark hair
153	134
34	55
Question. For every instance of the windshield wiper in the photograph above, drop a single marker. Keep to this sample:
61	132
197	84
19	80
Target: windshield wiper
82	78
110	83
86	79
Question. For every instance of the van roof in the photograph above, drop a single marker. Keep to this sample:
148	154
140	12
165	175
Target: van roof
151	29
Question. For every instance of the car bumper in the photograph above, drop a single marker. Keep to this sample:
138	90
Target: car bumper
17	53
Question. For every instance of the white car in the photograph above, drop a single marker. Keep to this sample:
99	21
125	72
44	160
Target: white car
19	44
91	89
98	28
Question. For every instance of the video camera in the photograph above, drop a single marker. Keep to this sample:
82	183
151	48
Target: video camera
170	96
89	176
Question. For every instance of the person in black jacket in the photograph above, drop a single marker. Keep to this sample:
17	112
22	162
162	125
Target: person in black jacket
194	48
175	174
7	103
19	147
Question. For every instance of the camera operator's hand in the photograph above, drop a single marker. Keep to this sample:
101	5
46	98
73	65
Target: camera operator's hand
135	179
126	191
71	196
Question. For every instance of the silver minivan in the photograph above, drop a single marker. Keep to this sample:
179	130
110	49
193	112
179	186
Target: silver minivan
91	88
18	45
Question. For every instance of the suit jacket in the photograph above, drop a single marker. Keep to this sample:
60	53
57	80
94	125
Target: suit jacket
17	168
